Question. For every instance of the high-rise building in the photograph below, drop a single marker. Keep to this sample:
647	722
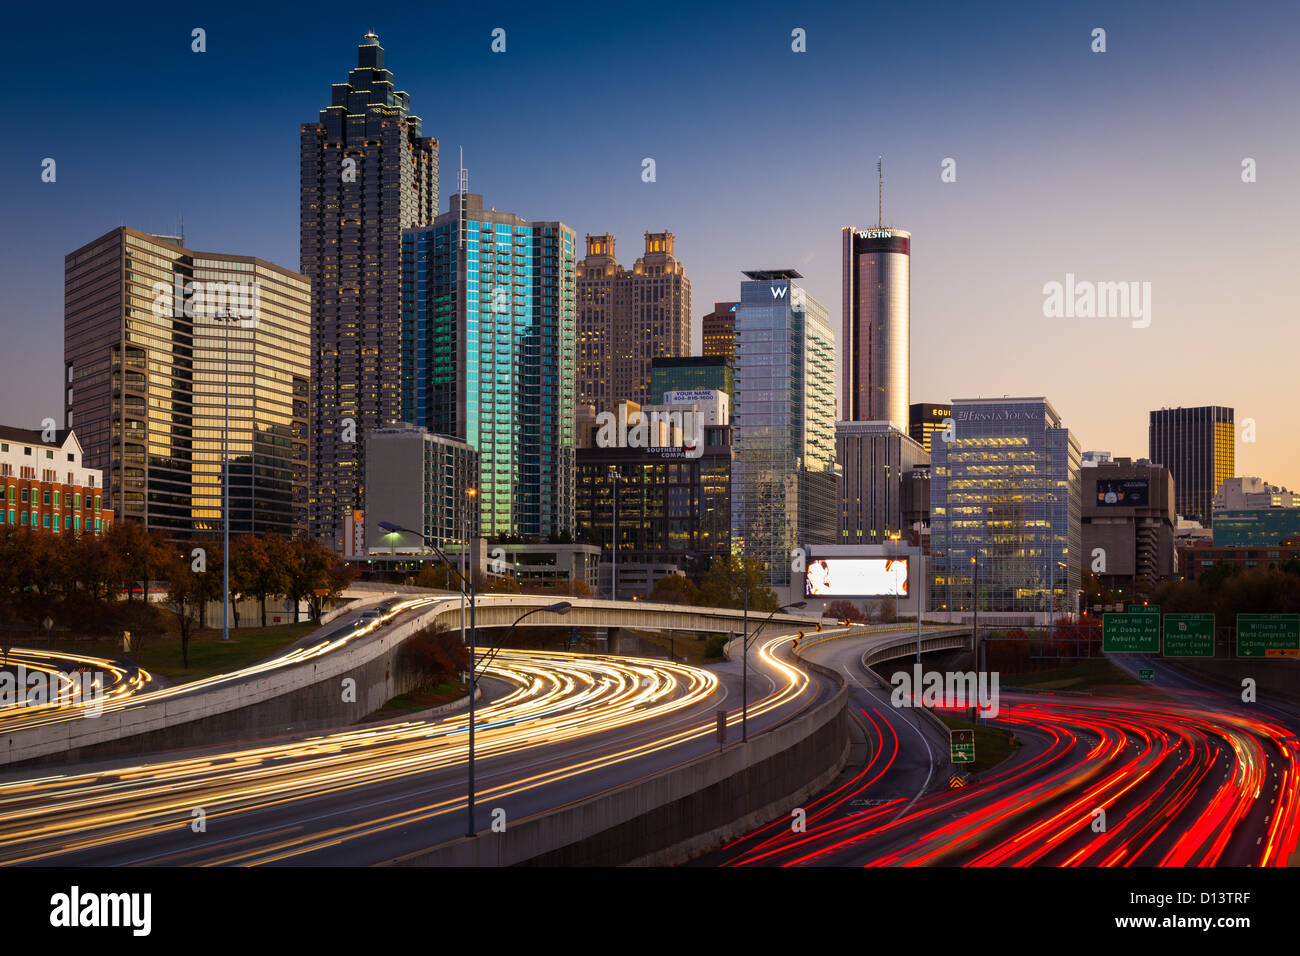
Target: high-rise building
1197	446
877	324
159	341
719	334
44	484
689	373
1005	511
924	419
627	318
1256	526
421	481
367	173
877	462
488	304
1128	523
784	484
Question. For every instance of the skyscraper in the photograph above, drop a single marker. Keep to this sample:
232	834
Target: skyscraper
877	463
489	313
719	333
877	324
367	173
626	318
924	420
1005	510
149	330
784	485
1196	445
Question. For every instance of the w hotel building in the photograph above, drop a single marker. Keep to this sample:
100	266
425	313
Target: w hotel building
44	484
154	335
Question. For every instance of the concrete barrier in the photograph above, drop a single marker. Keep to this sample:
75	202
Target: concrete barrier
307	696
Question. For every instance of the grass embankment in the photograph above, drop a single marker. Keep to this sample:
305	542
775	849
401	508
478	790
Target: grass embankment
209	655
992	746
416	701
1091	675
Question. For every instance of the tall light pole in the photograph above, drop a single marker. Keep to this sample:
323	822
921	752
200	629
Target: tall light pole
614	478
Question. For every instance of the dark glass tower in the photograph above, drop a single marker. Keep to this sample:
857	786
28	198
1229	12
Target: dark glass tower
367	174
1196	445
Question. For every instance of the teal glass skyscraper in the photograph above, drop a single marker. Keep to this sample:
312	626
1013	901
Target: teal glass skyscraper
784	483
488	356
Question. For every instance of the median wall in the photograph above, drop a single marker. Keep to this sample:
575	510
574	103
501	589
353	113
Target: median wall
307	696
671	816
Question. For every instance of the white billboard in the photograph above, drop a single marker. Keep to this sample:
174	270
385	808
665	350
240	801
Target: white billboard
856	578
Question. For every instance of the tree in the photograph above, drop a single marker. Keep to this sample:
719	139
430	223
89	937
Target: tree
270	559
675	589
188	594
246	557
140	554
842	610
313	573
434	655
439	576
727	579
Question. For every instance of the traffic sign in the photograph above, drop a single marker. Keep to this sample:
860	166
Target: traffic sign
961	746
1189	635
1144	609
1146	673
1136	633
1268	635
956	781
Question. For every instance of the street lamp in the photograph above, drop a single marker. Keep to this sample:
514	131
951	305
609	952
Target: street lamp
225	318
465	583
614	478
744	658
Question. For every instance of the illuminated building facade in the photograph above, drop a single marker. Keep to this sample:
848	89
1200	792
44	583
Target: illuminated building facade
924	420
44	485
719	336
149	330
627	318
784	483
367	173
1005	491
488	310
1197	446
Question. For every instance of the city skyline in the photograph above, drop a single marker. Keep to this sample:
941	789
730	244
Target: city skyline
1086	164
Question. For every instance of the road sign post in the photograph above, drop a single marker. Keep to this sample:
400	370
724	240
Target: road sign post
1189	635
961	746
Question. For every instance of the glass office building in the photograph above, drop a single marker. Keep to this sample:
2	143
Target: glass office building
784	483
488	345
877	296
1256	527
689	373
1005	492
151	332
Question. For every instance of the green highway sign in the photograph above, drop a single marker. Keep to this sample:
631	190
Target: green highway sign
1131	633
1189	635
1268	635
961	746
1144	609
1146	673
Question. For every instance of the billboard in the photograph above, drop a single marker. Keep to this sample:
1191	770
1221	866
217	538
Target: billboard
1122	492
856	577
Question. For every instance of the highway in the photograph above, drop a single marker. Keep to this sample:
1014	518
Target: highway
559	727
1199	782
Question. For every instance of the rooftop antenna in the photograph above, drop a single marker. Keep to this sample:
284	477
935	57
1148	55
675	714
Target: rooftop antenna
182	219
463	188
880	179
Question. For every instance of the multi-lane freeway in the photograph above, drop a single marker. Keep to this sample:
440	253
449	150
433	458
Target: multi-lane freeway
1141	781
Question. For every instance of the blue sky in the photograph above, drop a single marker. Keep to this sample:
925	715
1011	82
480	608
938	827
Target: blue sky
1115	166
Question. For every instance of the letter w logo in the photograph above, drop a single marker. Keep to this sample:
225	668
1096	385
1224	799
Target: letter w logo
778	292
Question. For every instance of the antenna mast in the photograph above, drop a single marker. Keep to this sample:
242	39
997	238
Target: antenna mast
880	179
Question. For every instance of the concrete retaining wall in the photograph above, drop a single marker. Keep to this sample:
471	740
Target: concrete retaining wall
676	814
307	696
